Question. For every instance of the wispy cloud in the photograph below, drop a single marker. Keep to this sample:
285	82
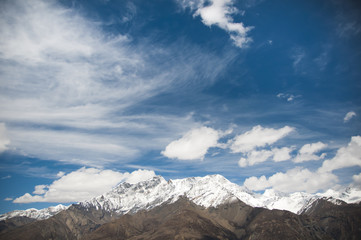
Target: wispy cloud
348	116
6	177
4	140
69	86
289	97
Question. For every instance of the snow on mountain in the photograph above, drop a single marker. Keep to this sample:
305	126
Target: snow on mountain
35	213
350	195
209	191
205	191
293	202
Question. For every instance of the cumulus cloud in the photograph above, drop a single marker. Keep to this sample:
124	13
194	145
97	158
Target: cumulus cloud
307	152
4	140
258	137
194	144
345	157
219	13
82	184
348	116
281	154
296	179
255	157
357	180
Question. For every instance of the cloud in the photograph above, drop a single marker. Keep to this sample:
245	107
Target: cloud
281	154
82	184
4	140
357	180
219	13
348	116
345	157
194	144
6	177
296	179
288	97
63	92
258	137
298	56
307	152
255	157
8	199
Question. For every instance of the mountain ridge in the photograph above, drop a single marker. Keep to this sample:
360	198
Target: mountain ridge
207	191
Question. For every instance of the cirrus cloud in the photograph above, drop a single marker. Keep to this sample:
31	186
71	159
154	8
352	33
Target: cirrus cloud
348	116
4	140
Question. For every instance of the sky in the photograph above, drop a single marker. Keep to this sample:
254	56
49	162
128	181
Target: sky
92	93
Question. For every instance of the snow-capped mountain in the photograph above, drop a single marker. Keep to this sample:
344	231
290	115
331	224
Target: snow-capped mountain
35	213
208	191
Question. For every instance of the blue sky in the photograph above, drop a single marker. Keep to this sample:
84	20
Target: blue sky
266	93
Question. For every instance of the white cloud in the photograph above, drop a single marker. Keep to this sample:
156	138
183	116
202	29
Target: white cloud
219	13
194	144
40	189
6	177
82	184
55	76
345	157
8	199
4	140
357	180
281	154
255	157
348	116
258	137
296	179
307	152
289	97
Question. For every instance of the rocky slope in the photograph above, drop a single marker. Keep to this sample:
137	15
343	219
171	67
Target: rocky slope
232	220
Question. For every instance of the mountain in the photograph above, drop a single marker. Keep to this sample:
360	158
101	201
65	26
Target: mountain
208	191
216	203
230	220
34	213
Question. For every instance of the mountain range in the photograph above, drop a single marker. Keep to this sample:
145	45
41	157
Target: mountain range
209	207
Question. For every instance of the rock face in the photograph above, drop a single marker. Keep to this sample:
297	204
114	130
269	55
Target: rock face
339	219
72	223
185	220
